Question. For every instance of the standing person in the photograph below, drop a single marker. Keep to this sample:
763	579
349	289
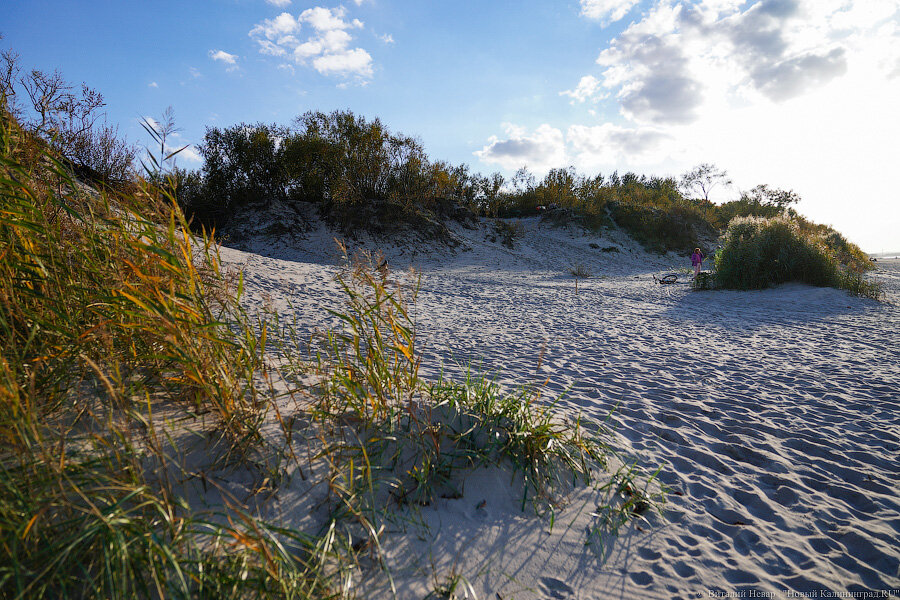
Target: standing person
697	261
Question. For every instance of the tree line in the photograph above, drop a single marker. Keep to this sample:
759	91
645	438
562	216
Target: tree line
359	174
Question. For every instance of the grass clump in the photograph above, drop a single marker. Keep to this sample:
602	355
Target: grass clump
127	375
704	281
391	438
760	252
509	232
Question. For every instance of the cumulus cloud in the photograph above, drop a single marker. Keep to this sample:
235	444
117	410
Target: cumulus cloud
610	144
279	3
543	149
654	77
328	48
326	19
785	48
153	84
190	154
791	77
665	66
230	60
606	11
588	88
222	56
276	29
355	61
588	147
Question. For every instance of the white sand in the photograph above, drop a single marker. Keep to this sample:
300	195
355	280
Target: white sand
774	414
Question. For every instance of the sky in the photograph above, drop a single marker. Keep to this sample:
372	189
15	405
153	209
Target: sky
801	95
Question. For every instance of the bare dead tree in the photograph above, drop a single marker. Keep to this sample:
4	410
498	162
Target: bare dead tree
9	75
71	120
702	179
49	93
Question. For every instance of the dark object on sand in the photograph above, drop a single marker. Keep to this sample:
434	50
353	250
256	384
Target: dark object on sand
666	279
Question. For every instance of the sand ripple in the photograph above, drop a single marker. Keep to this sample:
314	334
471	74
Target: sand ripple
774	412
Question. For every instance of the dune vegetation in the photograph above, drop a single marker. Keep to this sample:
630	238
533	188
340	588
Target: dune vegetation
759	252
359	175
135	387
133	384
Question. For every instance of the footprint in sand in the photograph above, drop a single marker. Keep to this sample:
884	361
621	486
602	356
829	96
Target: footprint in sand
556	588
641	578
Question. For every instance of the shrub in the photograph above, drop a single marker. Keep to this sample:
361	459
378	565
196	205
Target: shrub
509	232
759	253
704	281
674	227
68	120
358	174
580	271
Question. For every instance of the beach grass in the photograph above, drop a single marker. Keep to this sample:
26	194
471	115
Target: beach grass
122	342
133	383
407	441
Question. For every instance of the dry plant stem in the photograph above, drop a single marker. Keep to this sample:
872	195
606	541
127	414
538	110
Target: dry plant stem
111	324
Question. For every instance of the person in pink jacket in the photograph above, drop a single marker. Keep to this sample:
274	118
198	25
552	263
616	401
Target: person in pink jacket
697	261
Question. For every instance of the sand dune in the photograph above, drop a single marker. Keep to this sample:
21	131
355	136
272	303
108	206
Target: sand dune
774	414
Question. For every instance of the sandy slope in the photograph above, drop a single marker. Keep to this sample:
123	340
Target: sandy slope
774	414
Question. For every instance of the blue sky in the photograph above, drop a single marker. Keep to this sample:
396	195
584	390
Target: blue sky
798	94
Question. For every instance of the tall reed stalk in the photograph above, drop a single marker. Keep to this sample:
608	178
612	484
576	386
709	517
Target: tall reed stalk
118	345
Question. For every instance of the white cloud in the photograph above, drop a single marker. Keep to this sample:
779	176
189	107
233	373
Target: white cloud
279	3
387	38
190	154
544	149
329	49
607	11
350	62
270	48
279	27
588	88
222	56
798	94
325	19
153	84
665	67
609	146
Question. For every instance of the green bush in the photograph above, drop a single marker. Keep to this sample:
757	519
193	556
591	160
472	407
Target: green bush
704	281
651	209
358	174
675	227
759	252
